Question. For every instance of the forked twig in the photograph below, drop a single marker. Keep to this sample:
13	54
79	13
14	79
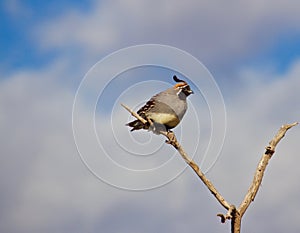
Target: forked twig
234	214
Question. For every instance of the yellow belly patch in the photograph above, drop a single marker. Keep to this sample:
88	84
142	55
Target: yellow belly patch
165	119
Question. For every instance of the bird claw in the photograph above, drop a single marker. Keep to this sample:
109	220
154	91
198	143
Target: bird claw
171	138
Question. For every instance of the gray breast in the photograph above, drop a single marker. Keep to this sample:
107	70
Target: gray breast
171	102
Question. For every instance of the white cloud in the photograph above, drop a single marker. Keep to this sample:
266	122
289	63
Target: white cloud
46	186
16	9
41	169
255	115
216	33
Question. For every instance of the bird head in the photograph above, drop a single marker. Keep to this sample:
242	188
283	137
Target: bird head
182	86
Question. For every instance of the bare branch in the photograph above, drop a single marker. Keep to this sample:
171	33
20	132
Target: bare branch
259	173
137	116
234	214
172	140
280	134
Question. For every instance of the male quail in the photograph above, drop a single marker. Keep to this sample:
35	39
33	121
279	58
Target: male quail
165	109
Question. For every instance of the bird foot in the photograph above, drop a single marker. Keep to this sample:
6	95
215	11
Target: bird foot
171	138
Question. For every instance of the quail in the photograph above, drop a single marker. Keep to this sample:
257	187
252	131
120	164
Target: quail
165	109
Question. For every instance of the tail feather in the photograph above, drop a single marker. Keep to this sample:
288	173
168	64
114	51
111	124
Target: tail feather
136	125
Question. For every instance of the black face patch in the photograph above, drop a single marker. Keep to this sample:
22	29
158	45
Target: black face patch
186	90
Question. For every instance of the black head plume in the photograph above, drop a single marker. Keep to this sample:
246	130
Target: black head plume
177	79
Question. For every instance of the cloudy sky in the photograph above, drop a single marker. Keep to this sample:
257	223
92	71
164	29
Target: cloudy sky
68	163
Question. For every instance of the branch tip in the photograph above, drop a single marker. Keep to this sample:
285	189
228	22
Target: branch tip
222	216
261	167
288	126
137	116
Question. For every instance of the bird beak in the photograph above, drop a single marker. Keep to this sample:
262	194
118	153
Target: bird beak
191	92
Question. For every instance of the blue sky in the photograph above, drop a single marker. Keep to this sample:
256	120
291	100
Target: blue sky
18	20
282	53
251	50
274	45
